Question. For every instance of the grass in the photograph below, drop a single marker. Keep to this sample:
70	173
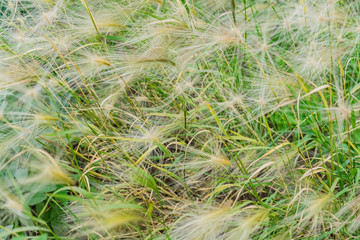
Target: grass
179	119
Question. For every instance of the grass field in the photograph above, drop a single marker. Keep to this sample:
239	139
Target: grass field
179	119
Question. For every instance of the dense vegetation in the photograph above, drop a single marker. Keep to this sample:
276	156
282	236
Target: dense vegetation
179	119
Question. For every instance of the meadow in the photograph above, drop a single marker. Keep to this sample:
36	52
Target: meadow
179	119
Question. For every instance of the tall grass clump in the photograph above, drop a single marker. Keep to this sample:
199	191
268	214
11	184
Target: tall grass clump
179	119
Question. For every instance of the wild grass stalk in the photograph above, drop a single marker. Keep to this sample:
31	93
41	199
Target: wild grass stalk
179	119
